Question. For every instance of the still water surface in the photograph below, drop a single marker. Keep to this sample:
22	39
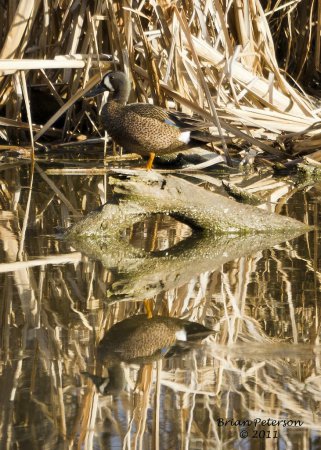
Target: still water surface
262	362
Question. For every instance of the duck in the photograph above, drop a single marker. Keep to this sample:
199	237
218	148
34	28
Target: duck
140	339
143	128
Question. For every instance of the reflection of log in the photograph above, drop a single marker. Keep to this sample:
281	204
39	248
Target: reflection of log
139	193
140	275
220	222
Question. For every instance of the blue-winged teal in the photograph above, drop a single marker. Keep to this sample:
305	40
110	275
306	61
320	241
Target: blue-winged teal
145	129
142	340
139	339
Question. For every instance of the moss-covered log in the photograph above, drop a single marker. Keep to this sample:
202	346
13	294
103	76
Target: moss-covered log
137	194
224	230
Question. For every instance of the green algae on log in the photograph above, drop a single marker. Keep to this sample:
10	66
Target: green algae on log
138	194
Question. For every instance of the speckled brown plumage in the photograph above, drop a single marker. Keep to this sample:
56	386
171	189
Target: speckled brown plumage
140	127
139	338
137	128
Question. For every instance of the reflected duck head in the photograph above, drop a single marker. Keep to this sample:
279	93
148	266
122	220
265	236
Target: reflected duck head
113	384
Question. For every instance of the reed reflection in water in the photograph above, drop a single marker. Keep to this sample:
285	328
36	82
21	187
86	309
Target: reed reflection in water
263	360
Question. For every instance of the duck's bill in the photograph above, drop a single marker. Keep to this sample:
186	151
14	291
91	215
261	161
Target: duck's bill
99	89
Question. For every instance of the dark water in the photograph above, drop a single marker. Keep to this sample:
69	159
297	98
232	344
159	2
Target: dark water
262	362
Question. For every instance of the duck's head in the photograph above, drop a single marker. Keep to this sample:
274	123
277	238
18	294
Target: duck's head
114	82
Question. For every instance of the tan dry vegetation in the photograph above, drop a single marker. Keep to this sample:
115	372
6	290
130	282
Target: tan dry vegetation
213	58
209	57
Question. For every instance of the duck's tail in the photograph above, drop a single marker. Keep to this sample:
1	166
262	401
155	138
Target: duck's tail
198	138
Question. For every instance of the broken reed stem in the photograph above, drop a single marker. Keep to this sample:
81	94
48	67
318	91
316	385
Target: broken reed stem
27	211
57	191
27	104
317	53
72	258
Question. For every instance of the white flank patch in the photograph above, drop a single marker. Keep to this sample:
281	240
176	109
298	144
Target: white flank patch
181	335
185	137
108	84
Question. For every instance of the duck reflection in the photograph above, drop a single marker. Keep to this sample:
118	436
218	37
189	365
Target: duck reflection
141	340
113	384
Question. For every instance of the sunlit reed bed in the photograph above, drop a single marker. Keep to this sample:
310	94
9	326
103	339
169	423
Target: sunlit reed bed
210	58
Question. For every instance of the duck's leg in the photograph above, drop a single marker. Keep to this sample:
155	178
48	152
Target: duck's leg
148	308
149	164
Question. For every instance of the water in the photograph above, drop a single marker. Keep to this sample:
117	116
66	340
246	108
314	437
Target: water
261	364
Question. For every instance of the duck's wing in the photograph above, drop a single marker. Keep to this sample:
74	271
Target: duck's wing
150	111
170	117
187	122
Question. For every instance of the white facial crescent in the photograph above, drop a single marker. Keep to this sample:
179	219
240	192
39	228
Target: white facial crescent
108	84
